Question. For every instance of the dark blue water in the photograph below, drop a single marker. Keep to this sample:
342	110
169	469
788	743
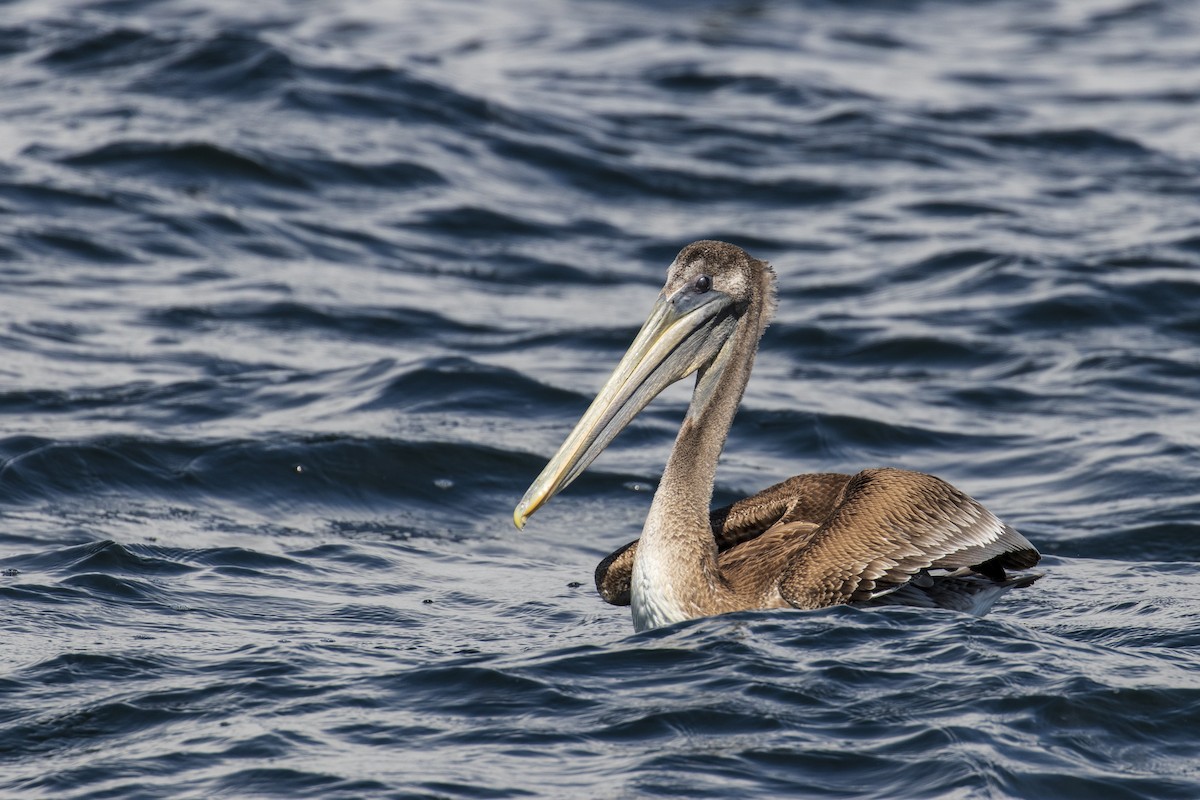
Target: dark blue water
297	298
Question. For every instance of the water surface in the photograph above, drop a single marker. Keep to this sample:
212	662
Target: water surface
296	300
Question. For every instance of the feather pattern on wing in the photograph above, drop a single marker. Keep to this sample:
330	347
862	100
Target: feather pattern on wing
825	538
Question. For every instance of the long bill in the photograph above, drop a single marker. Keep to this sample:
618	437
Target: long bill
683	333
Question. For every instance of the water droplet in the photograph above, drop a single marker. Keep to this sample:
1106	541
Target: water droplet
443	483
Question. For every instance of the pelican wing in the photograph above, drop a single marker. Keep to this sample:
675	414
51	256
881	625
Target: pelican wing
889	526
804	498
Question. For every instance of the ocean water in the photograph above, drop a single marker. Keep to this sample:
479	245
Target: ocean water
297	298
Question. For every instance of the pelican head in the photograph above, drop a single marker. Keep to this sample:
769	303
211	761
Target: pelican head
710	287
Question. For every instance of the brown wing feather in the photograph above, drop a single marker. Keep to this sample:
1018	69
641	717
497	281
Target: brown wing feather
805	498
890	525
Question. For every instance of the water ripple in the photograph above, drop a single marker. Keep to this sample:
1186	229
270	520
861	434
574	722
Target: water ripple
293	306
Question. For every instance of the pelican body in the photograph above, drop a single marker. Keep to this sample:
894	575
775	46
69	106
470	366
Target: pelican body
881	536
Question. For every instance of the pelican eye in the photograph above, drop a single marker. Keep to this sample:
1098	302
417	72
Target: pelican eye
703	284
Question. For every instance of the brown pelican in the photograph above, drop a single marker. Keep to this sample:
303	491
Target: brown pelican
882	536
